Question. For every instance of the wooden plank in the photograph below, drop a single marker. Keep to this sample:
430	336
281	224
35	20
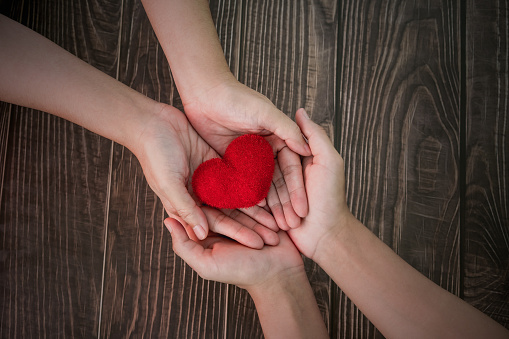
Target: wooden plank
399	85
486	226
54	190
149	291
227	18
5	117
288	53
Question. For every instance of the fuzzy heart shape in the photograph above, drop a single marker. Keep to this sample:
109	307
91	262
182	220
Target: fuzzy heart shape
240	179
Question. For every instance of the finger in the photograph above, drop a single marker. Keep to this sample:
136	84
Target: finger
291	167
262	203
262	216
172	213
281	125
222	224
292	219
268	236
319	141
276	208
186	208
191	252
188	229
306	163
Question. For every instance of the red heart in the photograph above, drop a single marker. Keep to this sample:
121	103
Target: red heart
241	178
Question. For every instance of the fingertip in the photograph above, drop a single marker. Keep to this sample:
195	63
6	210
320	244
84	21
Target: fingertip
301	208
303	113
299	201
198	222
299	146
302	119
269	237
200	232
273	239
294	222
289	131
262	203
167	223
188	211
256	244
279	217
177	231
170	224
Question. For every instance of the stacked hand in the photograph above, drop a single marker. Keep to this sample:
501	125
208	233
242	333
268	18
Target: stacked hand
223	260
224	111
220	259
169	150
274	276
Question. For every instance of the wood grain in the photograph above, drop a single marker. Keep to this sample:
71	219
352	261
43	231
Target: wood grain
398	133
228	21
424	137
54	190
486	228
288	53
149	291
5	117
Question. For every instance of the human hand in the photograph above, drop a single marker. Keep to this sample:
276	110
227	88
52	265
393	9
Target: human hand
220	259
324	178
169	151
229	109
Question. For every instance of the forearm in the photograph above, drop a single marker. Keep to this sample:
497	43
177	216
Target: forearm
400	301
288	309
189	39
36	73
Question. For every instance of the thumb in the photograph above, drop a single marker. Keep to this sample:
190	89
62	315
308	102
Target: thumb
188	210
285	128
319	141
191	252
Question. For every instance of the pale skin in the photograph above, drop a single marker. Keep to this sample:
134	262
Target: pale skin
36	73
399	300
220	108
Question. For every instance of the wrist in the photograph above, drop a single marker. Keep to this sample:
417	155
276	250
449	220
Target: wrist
278	285
206	86
334	240
138	116
287	307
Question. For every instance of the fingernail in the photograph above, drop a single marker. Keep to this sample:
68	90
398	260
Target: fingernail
168	226
308	149
200	232
305	113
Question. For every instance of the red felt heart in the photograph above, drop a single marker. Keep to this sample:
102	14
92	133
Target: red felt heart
241	178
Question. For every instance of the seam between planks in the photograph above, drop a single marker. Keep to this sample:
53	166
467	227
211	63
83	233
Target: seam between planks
108	189
336	127
4	162
462	144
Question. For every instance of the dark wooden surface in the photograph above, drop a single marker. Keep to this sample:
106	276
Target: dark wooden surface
486	159
414	95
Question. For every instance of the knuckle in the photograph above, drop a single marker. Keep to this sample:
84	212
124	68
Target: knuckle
185	213
287	205
276	206
218	220
280	183
291	169
234	214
